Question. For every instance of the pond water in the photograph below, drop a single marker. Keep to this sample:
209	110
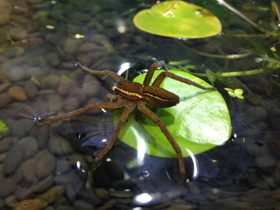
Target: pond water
45	166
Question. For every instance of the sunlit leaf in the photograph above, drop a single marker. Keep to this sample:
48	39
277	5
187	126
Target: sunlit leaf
198	123
238	91
178	19
4	130
229	89
240	96
232	94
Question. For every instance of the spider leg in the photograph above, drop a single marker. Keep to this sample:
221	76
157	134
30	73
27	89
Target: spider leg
105	105
151	71
114	75
146	111
163	75
129	108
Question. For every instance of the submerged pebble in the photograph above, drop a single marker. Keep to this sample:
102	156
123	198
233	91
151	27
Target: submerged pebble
31	89
62	166
30	146
11	201
86	47
5	11
20	128
46	164
18	33
2	157
63	87
70	46
22	193
41	133
71	104
34	204
55	102
8	186
6	143
44	184
121	194
266	164
102	193
109	204
60	146
64	179
82	205
52	194
4	86
50	81
14	158
5	99
28	169
17	93
16	74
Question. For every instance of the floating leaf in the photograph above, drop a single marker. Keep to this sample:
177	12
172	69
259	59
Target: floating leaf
198	123
235	93
178	19
4	130
238	91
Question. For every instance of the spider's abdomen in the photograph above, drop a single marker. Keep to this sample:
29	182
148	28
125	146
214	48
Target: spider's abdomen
159	97
131	90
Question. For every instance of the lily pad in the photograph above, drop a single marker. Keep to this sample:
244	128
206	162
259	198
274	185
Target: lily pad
178	19
198	123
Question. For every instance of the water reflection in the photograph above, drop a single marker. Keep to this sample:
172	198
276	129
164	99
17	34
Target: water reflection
195	165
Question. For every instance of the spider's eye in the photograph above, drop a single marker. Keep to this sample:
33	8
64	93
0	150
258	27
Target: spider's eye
120	82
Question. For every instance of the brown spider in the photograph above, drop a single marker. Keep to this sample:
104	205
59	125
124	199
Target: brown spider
130	95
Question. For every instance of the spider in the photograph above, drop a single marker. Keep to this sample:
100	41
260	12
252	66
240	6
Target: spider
130	95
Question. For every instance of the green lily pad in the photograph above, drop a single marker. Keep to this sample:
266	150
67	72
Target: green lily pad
178	19
198	123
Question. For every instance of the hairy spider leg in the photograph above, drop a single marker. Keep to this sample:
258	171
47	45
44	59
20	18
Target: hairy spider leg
151	71
163	75
114	75
128	109
105	105
146	111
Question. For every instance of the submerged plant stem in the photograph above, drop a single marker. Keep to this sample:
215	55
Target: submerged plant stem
234	74
224	3
233	56
242	73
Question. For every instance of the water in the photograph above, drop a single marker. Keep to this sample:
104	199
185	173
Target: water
48	164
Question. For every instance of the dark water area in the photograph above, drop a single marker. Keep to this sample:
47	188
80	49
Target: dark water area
46	166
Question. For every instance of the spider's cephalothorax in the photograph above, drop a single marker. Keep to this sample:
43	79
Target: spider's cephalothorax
155	96
130	95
